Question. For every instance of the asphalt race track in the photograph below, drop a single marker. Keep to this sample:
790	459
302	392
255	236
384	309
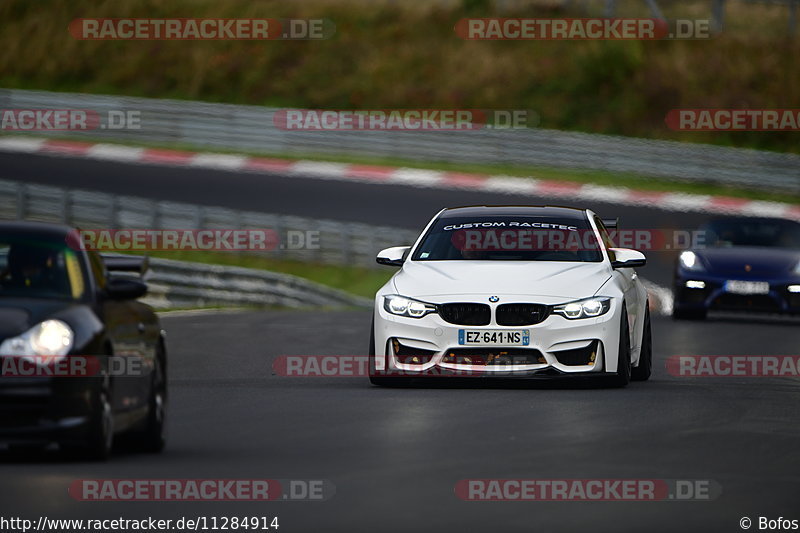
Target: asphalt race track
395	455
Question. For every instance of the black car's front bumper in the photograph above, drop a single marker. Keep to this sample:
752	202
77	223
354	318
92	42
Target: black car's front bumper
42	410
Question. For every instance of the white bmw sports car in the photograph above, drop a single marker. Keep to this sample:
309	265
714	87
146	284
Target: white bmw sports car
512	292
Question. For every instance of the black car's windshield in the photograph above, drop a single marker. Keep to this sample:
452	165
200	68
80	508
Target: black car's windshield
753	232
510	238
35	269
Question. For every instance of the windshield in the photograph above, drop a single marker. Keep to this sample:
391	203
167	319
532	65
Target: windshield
510	238
755	232
34	269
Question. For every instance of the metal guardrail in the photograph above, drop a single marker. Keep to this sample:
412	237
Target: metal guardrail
238	127
176	284
339	243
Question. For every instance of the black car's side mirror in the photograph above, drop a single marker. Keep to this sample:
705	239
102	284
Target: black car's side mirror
125	289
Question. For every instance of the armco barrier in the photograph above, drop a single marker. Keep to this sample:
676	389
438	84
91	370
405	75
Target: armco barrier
338	243
238	127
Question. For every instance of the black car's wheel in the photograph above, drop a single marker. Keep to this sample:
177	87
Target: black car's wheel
623	374
688	314
380	381
100	437
645	367
154	437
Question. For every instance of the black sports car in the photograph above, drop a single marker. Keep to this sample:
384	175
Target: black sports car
81	360
747	264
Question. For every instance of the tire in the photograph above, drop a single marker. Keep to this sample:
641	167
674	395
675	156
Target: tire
379	381
154	437
644	369
100	439
688	314
623	374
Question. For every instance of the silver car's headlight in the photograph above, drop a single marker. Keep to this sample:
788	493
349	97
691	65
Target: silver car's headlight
588	308
52	338
402	306
690	261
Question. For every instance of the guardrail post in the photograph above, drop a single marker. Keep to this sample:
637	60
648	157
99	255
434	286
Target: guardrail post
371	251
347	244
155	213
320	248
280	228
717	15
112	212
654	9
199	217
22	197
66	212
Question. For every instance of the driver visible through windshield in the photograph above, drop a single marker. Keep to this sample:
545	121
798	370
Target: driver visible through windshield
33	269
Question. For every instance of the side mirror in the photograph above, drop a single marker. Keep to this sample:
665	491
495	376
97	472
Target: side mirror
394	256
626	258
125	289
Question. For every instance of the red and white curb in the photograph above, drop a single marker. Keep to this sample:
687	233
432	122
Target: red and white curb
670	201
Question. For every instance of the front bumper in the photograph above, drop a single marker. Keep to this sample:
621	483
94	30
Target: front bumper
558	347
714	295
41	410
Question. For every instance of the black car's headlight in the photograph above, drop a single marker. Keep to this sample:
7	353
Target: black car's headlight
52	338
588	308
402	306
690	261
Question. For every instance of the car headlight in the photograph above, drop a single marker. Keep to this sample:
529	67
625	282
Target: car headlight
588	308
402	306
797	268
690	261
52	338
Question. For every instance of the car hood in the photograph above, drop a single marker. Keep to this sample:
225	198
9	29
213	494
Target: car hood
762	262
535	278
18	315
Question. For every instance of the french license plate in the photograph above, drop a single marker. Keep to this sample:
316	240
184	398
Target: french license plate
493	337
747	287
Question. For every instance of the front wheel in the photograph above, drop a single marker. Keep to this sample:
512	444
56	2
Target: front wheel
154	437
623	375
645	367
100	438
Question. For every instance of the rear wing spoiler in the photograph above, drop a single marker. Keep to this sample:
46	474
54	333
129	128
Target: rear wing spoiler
610	223
133	264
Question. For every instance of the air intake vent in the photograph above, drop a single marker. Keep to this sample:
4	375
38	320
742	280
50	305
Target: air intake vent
521	314
466	314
